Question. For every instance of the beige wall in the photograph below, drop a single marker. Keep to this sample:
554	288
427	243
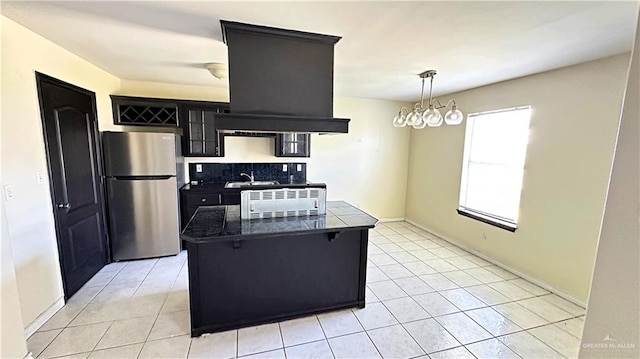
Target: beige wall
573	127
366	167
29	219
614	301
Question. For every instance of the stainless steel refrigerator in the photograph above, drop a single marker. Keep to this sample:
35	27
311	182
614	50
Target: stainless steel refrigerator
143	172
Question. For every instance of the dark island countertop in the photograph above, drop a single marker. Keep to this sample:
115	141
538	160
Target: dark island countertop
220	223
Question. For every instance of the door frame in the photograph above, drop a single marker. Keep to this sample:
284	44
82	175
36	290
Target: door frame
43	78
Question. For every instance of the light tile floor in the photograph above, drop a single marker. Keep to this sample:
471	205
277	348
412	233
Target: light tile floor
425	298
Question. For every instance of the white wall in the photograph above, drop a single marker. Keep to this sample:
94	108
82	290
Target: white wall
12	343
366	167
29	220
614	301
572	132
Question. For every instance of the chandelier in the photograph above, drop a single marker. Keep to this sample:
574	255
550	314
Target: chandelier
420	117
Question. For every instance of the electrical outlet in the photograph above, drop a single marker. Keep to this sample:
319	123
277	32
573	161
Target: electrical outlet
299	167
39	177
8	192
284	168
198	168
484	236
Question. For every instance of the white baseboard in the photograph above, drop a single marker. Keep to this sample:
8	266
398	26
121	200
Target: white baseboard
398	219
533	280
42	318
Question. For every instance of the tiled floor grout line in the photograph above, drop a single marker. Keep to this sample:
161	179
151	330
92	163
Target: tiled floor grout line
366	333
386	326
405	329
419	230
75	316
46	346
184	263
365	330
431	317
402	263
282	340
134	293
481	282
325	334
157	315
188	350
102	336
237	341
462	311
487	305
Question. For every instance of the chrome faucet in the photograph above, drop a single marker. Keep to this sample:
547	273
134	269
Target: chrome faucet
251	177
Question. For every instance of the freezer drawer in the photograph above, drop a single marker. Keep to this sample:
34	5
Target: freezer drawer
139	154
143	217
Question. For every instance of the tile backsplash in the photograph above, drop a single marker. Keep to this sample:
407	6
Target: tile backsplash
224	172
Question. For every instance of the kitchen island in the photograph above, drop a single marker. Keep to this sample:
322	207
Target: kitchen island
251	272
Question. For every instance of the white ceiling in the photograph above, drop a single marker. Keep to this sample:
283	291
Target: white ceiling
384	45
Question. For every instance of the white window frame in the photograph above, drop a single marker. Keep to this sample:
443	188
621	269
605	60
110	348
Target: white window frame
510	224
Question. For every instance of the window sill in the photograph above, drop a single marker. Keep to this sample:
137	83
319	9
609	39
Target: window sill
509	226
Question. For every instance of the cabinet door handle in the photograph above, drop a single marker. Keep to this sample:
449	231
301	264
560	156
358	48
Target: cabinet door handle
203	200
64	205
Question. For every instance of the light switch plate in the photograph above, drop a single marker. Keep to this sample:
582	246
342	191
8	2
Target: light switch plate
39	177
198	168
284	168
8	192
299	167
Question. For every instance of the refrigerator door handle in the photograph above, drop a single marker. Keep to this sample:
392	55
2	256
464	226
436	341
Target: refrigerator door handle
140	178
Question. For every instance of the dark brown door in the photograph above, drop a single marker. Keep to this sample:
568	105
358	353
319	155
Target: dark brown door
71	138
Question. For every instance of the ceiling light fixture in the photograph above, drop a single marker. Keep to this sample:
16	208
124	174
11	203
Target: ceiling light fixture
420	117
218	70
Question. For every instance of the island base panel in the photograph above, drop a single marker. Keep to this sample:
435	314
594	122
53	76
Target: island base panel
234	284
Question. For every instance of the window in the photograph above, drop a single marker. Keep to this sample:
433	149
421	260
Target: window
493	166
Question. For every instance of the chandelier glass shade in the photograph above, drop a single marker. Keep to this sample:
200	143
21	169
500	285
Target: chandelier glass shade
422	117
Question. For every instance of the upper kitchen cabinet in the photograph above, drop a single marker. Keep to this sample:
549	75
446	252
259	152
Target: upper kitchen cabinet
293	145
200	137
140	111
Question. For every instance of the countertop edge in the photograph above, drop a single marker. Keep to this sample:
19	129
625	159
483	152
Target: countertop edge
234	237
341	210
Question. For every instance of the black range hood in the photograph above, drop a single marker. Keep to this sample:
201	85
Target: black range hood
279	81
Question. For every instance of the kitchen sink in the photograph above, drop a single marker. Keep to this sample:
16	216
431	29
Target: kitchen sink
247	183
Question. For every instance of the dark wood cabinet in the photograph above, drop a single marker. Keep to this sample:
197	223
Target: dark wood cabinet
230	198
197	119
274	277
196	196
191	201
293	145
140	111
200	137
